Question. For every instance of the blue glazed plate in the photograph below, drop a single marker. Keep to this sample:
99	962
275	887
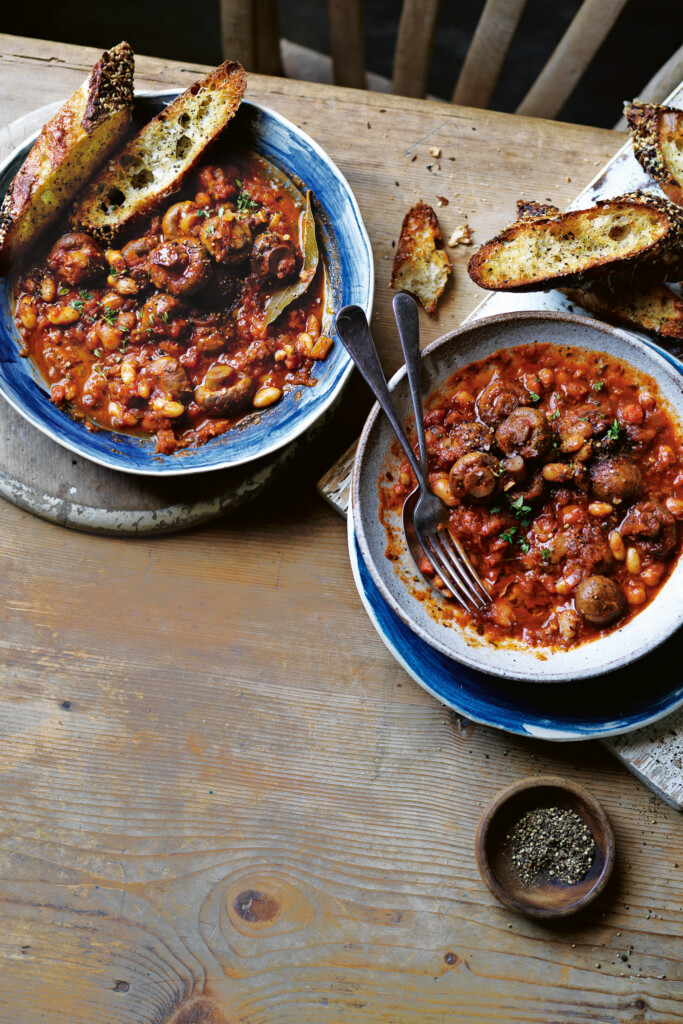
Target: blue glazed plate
346	249
613	704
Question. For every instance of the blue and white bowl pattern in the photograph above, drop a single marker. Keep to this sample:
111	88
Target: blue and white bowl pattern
348	256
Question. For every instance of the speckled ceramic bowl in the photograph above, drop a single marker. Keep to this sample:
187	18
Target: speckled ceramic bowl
347	253
440	359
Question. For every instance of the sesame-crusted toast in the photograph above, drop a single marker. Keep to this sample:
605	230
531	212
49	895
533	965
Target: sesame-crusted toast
637	229
68	150
646	304
421	266
658	144
154	164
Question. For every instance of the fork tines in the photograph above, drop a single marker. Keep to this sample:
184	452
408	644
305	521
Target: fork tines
450	560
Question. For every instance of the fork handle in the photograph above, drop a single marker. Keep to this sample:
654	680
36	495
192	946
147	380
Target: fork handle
408	323
354	332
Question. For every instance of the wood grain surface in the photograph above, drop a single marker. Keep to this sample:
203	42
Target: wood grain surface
222	800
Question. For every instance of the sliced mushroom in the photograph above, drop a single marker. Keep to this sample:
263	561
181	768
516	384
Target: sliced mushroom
76	258
223	392
475	475
170	376
498	400
525	432
469	437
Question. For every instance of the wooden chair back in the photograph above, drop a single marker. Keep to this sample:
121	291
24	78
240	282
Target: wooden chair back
250	33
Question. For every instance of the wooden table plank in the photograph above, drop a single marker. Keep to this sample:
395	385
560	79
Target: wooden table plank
222	800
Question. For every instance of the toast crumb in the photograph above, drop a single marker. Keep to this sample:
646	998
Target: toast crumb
461	236
421	267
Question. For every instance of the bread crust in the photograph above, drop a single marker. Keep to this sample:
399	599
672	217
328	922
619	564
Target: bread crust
158	139
69	148
644	305
648	124
421	266
663	250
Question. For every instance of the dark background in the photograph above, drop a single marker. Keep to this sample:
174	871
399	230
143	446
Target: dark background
646	34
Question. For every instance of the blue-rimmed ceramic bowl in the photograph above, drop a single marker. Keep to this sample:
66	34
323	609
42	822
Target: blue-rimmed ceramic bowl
473	341
347	253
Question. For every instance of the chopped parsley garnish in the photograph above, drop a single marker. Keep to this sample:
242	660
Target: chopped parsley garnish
613	431
545	554
554	415
598	385
203	213
534	397
98	352
63	290
524	545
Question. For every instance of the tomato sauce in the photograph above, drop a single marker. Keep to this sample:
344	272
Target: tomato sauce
173	333
563	470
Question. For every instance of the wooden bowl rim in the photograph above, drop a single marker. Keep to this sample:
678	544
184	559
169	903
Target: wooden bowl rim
502	798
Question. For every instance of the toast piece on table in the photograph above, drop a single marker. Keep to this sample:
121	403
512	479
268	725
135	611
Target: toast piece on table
658	144
71	146
156	161
421	267
647	305
630	231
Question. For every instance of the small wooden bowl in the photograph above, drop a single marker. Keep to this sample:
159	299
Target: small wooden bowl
545	898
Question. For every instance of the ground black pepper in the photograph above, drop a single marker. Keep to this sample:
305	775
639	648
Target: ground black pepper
553	842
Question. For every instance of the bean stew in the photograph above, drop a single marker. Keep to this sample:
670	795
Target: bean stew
563	471
211	311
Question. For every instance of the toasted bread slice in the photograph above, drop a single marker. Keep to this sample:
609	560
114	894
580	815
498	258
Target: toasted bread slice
70	148
544	252
658	144
645	305
156	161
421	267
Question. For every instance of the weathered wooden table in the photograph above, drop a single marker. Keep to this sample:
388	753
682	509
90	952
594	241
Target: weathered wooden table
222	801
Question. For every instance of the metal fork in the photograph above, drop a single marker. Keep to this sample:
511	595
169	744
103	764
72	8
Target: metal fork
444	551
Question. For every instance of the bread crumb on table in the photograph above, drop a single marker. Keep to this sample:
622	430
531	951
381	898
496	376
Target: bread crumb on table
461	236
